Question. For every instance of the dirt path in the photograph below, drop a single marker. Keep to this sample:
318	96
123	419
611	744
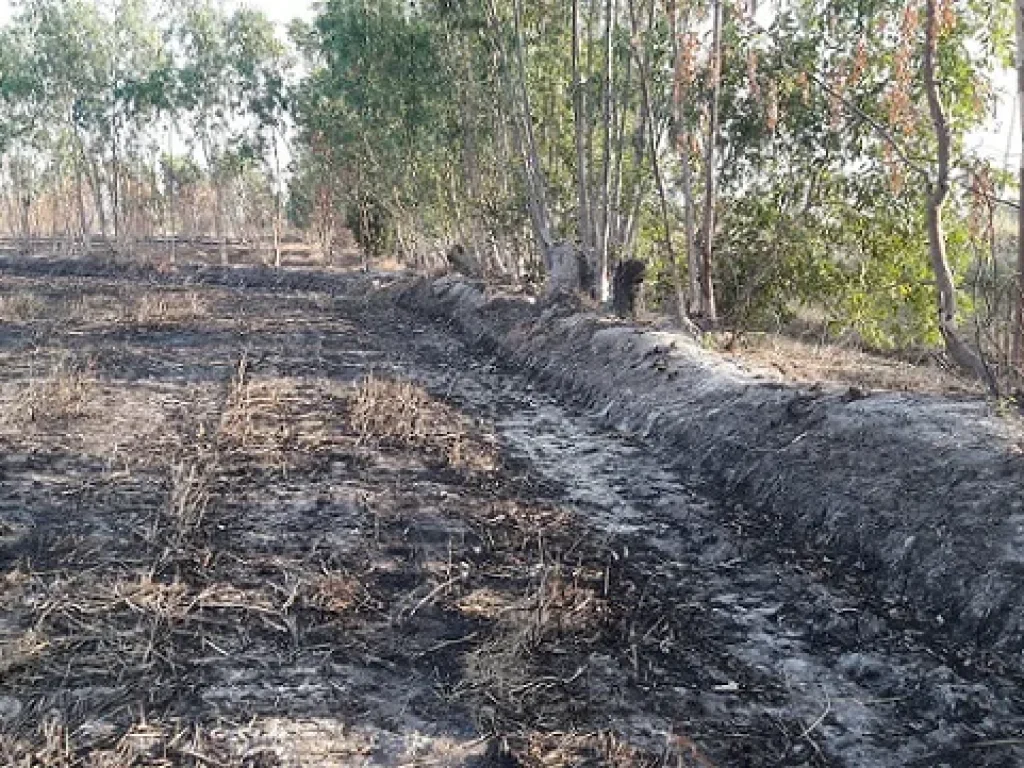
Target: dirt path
255	520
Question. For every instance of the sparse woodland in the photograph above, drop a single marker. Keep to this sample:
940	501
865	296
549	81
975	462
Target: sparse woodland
137	120
782	165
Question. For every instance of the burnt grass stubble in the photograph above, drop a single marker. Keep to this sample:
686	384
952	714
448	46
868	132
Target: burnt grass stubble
255	539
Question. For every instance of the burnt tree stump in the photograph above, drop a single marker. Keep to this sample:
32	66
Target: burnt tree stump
626	283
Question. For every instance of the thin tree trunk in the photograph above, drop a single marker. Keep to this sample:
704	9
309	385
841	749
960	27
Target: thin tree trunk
655	134
114	189
277	203
170	190
679	310
615	208
518	96
693	258
218	195
592	191
605	218
708	308
683	140
1017	355
95	179
938	192
83	219
640	141
580	120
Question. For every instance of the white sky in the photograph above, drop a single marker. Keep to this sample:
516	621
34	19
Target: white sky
282	11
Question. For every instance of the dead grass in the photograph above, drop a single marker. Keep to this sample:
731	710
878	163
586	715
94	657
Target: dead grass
26	648
22	306
340	593
603	748
812	363
167	309
503	675
191	482
64	392
54	745
400	414
177	584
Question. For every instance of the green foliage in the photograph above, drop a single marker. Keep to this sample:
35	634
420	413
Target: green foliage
773	262
371	224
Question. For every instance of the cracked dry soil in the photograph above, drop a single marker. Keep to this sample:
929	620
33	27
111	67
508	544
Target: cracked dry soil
272	519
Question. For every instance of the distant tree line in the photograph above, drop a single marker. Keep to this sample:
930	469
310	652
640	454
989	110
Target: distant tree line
134	119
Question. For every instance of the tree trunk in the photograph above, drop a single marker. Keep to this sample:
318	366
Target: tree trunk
170	191
277	203
523	133
1018	319
654	137
683	140
222	246
708	308
937	194
615	207
580	121
605	218
83	218
114	188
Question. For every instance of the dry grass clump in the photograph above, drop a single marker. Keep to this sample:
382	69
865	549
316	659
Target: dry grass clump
340	593
63	392
54	744
276	421
400	414
811	363
77	307
22	306
507	677
145	596
190	489
21	650
604	748
49	747
163	309
90	308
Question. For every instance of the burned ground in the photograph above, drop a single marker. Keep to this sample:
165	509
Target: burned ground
254	518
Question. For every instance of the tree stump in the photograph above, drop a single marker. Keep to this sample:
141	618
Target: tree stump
626	284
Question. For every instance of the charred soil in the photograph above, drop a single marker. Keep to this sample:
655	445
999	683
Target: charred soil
259	518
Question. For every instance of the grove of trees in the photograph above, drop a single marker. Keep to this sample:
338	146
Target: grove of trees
135	119
768	161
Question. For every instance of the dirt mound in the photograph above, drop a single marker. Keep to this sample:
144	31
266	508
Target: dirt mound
921	495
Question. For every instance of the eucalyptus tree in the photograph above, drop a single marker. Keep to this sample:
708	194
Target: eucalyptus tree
1017	353
20	93
142	89
260	66
208	95
68	63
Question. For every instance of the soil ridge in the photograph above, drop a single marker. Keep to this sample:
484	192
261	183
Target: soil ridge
920	494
